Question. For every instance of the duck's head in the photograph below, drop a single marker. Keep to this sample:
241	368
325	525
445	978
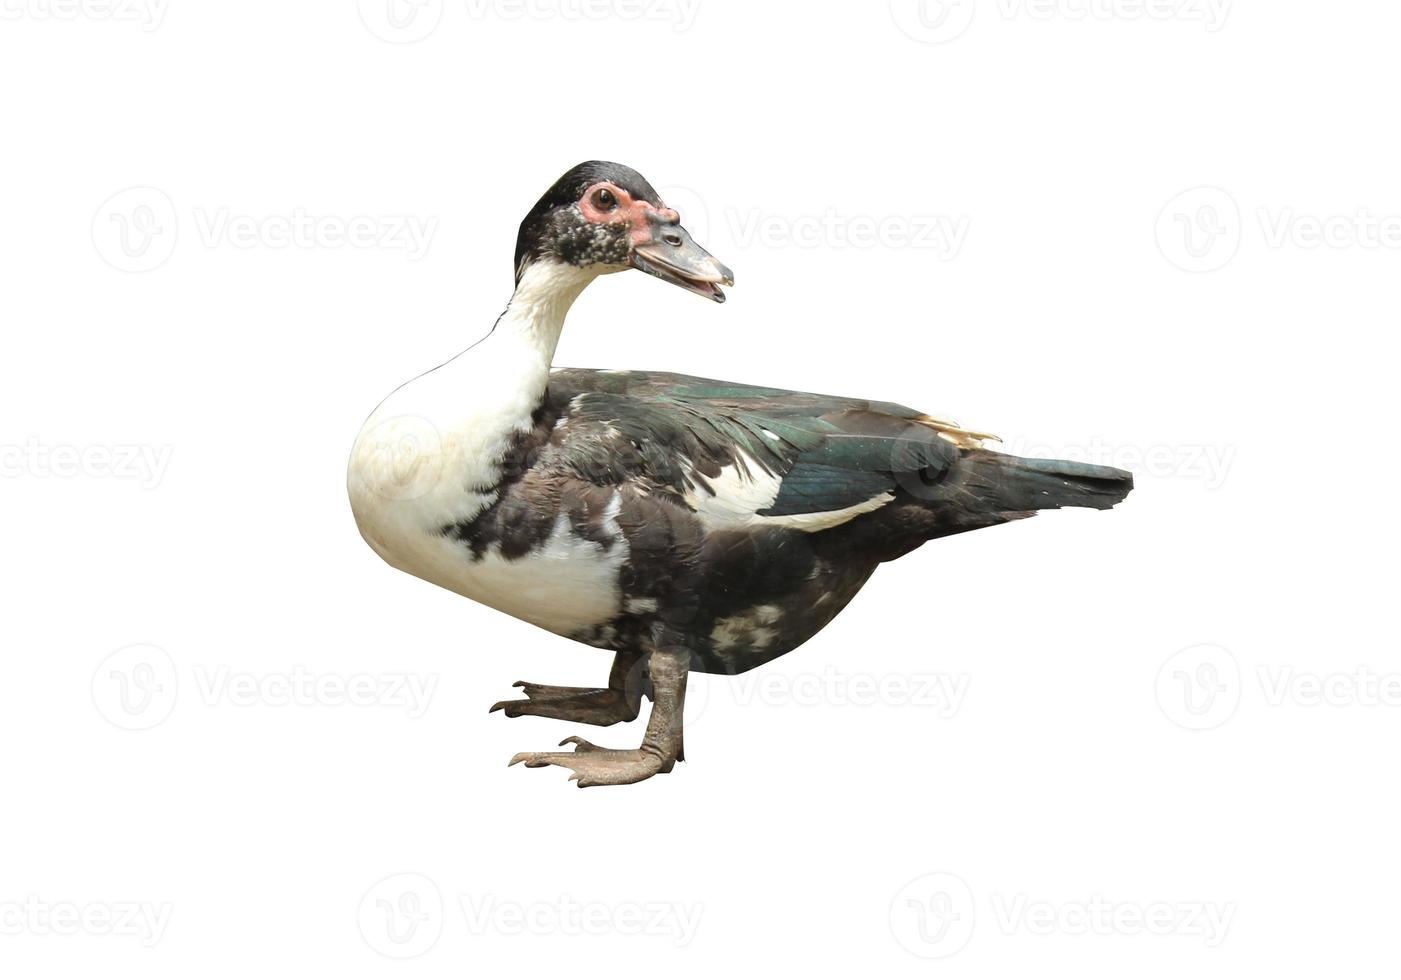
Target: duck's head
605	217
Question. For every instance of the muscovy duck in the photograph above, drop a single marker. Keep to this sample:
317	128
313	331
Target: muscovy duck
683	523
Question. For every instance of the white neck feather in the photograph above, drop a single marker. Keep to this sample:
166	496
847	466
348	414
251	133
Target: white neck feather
504	375
542	299
519	350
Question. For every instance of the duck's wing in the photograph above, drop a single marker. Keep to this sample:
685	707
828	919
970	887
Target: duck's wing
741	455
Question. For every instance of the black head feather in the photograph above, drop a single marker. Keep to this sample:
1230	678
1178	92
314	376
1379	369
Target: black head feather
555	227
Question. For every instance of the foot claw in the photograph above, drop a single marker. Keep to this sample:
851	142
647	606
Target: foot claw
581	744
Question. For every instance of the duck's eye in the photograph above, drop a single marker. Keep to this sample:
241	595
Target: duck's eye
604	200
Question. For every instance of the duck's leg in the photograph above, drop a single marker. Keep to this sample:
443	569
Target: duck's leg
619	701
661	745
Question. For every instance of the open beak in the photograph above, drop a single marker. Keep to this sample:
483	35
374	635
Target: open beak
669	253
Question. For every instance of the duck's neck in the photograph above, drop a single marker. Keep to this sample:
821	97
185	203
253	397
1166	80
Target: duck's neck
522	344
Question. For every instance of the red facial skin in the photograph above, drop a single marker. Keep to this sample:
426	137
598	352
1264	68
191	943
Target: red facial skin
636	213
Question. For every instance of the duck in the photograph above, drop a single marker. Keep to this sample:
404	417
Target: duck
681	523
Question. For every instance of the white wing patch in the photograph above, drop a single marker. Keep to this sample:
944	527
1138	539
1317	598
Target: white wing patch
744	488
822	520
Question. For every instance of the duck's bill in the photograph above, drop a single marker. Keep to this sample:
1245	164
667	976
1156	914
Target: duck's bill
675	258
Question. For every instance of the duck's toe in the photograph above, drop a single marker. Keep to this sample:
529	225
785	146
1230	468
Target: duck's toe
593	765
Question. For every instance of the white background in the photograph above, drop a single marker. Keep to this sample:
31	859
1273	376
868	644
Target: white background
1137	733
